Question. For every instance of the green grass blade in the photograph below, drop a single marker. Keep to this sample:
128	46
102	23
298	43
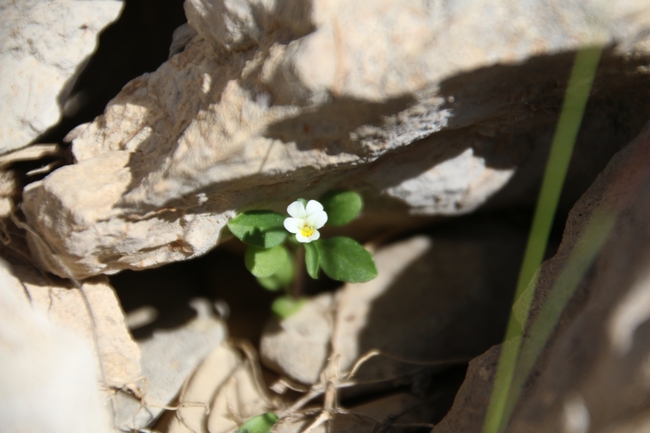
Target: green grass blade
577	94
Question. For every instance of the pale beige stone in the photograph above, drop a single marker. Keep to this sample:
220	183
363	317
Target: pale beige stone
169	358
412	104
50	378
91	314
298	346
43	46
94	314
221	394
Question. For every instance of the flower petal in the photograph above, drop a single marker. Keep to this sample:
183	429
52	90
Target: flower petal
306	239
296	210
317	220
293	225
313	207
314	236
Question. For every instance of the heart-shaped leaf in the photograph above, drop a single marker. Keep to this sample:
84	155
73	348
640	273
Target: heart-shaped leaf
260	228
341	206
264	262
343	259
281	279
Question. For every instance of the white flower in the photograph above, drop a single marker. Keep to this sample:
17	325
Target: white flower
305	221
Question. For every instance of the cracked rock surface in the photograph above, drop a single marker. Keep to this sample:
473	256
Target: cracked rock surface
43	47
275	99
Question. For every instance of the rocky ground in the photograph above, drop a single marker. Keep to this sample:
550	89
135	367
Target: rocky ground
133	131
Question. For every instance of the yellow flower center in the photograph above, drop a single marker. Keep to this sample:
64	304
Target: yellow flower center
307	231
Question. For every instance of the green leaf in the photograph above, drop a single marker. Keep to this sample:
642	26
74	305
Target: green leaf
303	201
312	260
343	259
260	228
264	262
285	306
341	206
259	424
282	278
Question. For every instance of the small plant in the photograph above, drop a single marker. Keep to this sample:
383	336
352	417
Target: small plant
259	424
279	246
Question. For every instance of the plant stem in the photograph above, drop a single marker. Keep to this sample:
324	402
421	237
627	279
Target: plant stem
298	280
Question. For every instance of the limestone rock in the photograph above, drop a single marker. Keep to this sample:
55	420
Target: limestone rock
468	412
169	358
49	376
14	247
43	48
138	379
591	374
94	315
274	100
298	346
225	384
436	298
